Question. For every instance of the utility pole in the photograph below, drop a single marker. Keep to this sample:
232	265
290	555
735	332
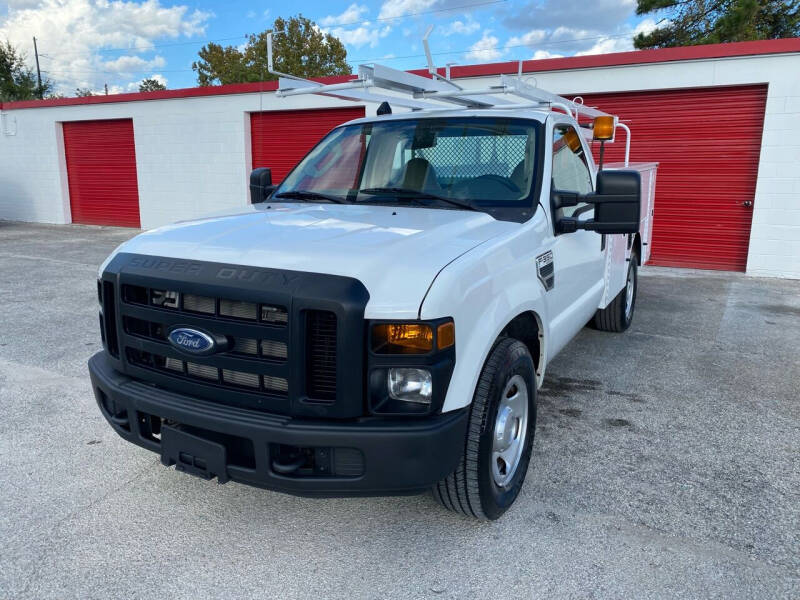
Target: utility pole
38	72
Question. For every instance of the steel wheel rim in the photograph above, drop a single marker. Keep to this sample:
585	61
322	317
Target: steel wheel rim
510	430
629	287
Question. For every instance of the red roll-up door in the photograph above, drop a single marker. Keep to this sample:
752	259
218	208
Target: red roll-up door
281	138
101	168
707	143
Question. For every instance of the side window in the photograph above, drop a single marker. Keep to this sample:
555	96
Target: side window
570	170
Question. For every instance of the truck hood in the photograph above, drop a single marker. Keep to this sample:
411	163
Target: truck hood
395	252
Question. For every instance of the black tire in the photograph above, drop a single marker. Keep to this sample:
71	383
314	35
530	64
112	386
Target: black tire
471	489
615	317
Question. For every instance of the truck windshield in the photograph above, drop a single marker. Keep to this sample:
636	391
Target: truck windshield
472	163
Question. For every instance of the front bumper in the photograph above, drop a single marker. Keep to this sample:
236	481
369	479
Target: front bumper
378	456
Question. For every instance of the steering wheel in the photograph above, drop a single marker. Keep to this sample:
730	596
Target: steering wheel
504	181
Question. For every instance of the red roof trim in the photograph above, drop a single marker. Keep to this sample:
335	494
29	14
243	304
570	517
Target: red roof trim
636	57
212	90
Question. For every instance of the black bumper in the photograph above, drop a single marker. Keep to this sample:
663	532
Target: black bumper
379	456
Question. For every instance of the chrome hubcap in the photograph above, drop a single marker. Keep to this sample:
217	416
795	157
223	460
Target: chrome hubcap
510	430
629	286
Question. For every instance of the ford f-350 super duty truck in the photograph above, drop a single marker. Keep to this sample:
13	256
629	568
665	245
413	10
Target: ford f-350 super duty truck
379	322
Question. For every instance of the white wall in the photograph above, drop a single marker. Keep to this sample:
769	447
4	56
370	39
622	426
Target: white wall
193	154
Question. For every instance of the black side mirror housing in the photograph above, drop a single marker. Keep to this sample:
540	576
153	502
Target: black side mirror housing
617	204
261	185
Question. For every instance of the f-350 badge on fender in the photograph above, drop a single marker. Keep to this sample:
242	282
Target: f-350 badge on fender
545	270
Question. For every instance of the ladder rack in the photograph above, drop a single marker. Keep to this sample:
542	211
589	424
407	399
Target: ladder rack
378	83
423	93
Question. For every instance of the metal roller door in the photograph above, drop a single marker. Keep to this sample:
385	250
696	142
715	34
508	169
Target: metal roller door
707	143
101	169
281	138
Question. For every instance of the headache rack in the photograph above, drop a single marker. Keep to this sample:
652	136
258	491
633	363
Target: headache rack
378	83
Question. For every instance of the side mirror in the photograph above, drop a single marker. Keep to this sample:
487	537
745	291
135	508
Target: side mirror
260	185
617	204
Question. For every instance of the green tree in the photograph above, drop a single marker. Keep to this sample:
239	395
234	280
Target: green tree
83	92
689	22
17	81
300	48
151	85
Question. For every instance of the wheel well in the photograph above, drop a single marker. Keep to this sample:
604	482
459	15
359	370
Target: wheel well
526	327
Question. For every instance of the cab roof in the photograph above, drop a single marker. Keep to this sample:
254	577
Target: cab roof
532	114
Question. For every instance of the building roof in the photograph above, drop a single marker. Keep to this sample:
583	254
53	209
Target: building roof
636	57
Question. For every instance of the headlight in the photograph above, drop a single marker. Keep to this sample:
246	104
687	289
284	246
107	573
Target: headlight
409	366
411	338
410	385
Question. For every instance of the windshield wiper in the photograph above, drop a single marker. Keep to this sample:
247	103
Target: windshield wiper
416	194
308	195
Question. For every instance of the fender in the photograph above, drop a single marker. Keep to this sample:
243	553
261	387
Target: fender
483	290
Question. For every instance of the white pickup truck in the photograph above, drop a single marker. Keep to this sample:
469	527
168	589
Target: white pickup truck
379	322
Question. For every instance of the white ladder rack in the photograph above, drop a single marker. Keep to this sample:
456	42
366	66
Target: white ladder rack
378	83
423	93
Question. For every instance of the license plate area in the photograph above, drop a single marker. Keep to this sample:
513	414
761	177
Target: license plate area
192	454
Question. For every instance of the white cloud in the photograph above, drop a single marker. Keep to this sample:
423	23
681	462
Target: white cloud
531	38
648	25
128	65
362	35
72	34
352	14
485	49
465	27
395	8
540	54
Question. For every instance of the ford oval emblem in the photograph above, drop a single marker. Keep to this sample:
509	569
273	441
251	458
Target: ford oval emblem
192	341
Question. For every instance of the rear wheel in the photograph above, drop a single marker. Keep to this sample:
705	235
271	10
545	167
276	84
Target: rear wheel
618	315
499	440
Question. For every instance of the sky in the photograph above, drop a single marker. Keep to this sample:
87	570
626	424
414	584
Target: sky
92	43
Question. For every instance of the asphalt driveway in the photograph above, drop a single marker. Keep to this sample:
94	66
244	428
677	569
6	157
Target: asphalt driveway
666	464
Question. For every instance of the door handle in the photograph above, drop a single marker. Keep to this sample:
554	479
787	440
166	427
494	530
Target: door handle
747	203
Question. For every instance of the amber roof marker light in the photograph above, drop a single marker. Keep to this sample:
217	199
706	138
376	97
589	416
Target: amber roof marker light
603	128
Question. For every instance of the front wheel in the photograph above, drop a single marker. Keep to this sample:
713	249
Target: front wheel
499	440
618	315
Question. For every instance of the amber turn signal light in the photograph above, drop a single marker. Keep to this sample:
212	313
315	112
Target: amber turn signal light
445	335
603	128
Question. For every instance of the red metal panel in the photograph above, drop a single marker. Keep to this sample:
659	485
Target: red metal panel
101	167
707	143
279	139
